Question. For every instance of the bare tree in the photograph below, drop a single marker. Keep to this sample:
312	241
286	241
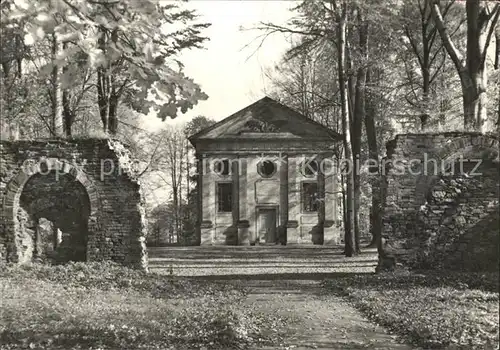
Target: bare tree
172	161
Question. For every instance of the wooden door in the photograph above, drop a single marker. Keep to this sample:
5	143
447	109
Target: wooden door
267	226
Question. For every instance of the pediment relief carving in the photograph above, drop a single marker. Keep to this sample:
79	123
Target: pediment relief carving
256	125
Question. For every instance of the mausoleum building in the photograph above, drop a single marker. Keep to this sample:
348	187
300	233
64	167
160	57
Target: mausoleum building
267	176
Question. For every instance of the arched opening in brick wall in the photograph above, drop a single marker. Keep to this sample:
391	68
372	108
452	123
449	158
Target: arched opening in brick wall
53	212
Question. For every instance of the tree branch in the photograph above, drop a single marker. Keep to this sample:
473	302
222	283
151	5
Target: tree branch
454	53
438	69
413	45
493	21
432	33
151	158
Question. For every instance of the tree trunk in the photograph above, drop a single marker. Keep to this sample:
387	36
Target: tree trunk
474	100
497	50
374	171
357	124
188	184
101	97
426	77
179	209
350	244
498	114
113	111
57	103
68	116
472	71
176	210
344	204
497	67
355	129
67	113
103	85
107	94
475	97
114	93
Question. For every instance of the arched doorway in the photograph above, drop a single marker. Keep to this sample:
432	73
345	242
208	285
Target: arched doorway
50	210
53	217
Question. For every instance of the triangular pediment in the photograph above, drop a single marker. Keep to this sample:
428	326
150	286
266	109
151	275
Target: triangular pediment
266	118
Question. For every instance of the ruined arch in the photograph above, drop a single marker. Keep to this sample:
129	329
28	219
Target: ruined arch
447	154
472	147
14	191
459	144
433	217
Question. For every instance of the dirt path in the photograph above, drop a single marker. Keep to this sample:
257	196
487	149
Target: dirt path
324	321
286	280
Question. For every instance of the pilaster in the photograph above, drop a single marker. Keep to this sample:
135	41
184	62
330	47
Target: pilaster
292	226
331	225
242	220
283	202
318	232
208	203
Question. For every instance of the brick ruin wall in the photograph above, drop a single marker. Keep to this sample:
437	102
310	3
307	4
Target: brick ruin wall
71	200
441	194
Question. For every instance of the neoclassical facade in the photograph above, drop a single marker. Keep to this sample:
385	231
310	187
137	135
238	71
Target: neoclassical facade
267	176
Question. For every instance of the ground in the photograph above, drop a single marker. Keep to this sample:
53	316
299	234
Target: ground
245	298
325	321
287	281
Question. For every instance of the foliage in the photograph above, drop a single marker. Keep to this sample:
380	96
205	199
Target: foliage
197	124
90	306
429	309
161	223
128	47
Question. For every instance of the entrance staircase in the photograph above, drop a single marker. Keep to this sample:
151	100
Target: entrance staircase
259	262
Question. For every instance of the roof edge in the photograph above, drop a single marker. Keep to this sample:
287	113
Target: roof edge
193	138
220	122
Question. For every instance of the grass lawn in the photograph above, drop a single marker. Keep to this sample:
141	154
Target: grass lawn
105	306
429	309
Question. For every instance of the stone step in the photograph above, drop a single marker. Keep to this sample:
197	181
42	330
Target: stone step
261	262
291	273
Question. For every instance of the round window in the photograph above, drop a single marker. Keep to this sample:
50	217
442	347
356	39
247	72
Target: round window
309	167
266	168
221	167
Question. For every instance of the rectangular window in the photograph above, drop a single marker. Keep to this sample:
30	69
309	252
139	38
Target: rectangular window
310	196
224	197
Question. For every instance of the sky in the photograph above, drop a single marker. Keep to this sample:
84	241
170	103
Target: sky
230	74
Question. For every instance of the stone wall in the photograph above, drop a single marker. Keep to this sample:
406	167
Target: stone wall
441	202
70	200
